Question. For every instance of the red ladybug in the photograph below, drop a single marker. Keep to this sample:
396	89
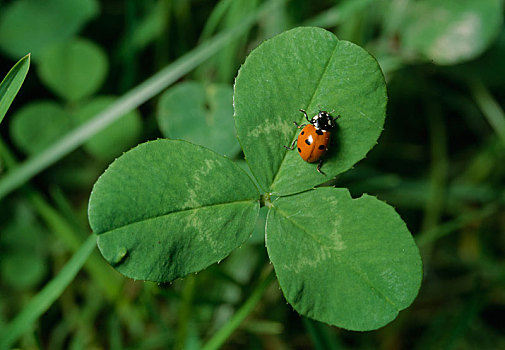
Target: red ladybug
314	139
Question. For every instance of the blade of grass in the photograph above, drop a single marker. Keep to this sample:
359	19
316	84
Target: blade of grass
23	322
220	336
11	84
214	19
321	338
338	13
129	101
185	308
435	233
106	279
438	168
489	107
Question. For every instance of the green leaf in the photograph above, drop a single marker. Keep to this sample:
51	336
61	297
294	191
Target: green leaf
33	25
150	26
168	208
451	31
306	68
114	139
11	84
22	270
23	244
200	114
74	69
35	126
348	262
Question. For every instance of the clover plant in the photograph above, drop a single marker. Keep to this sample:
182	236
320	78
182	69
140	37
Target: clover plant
168	208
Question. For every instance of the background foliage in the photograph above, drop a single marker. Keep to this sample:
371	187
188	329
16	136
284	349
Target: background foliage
439	162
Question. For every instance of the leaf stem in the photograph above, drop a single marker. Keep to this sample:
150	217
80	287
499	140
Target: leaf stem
322	339
438	168
109	282
185	312
489	107
220	337
132	99
47	296
435	233
337	14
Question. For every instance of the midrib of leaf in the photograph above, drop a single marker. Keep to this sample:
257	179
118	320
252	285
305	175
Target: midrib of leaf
175	212
288	217
363	277
309	106
351	267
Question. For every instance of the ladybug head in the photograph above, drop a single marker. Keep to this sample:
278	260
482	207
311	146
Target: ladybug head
323	121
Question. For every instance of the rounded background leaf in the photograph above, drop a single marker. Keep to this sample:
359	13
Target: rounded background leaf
37	125
74	69
33	25
23	246
114	139
306	68
200	114
451	31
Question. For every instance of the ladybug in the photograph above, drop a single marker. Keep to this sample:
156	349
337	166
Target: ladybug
314	139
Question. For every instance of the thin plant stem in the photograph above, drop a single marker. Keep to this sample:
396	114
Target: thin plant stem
438	171
46	297
185	312
224	333
336	15
489	107
436	233
109	282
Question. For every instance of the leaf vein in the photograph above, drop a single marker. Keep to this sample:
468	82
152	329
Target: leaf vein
174	212
352	267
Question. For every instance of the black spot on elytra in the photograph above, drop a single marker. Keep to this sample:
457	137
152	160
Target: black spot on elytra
307	142
299	150
321	147
319	132
303	132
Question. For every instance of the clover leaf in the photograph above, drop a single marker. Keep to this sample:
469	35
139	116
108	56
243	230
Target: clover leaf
168	208
310	69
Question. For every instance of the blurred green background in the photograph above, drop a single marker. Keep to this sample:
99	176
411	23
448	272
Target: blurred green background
440	162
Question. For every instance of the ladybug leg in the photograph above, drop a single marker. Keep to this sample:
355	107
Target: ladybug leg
319	167
292	147
306	116
299	126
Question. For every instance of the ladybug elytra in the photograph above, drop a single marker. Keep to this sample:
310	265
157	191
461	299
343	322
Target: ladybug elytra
314	139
